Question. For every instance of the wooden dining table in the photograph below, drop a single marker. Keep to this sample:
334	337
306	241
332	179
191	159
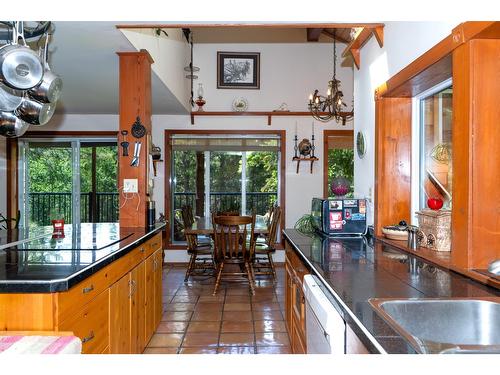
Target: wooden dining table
203	226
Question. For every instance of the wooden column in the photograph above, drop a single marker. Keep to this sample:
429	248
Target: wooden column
476	156
135	100
392	161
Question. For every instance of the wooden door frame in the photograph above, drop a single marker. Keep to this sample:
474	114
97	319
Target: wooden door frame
329	133
167	180
13	158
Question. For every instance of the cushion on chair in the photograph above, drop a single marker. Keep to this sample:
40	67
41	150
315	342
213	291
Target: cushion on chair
40	345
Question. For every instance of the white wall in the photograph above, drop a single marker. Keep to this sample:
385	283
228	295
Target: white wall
403	43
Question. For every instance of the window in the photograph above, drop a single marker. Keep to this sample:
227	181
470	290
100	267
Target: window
339	146
436	146
70	179
223	172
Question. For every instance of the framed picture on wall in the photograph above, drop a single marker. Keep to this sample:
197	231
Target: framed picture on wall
238	70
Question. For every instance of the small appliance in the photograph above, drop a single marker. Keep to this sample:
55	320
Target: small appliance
339	216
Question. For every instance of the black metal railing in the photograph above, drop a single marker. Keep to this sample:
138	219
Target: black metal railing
44	207
230	201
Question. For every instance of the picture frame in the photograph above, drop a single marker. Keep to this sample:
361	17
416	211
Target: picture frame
238	70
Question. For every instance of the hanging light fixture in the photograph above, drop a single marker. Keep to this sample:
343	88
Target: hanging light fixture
191	69
331	106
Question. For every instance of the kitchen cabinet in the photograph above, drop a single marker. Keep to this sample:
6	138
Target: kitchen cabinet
295	313
115	310
353	344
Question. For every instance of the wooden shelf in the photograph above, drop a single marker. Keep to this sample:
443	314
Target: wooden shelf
269	115
299	159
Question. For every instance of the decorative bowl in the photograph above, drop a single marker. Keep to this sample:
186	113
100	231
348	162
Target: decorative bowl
340	186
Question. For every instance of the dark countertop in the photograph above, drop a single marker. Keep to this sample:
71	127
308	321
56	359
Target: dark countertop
355	270
46	265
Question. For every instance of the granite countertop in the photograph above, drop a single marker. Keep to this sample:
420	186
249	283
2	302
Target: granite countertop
44	264
356	269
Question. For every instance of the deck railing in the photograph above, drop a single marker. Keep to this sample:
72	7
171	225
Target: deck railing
43	206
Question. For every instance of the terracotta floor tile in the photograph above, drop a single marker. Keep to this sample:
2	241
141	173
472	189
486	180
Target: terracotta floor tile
179	307
203	326
207	316
209	306
172	327
265	306
267	315
217	298
272	339
245	291
198	350
176	316
236	339
270	326
274	350
204	339
264	298
165	339
237	315
184	299
160	351
238	299
237	326
237	307
236	350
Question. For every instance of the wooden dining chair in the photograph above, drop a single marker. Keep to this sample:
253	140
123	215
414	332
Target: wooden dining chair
262	261
232	252
200	251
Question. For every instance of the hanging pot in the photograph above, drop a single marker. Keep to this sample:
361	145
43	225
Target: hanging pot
20	66
49	90
10	99
34	112
11	126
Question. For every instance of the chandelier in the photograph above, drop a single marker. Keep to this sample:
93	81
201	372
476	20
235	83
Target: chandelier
331	106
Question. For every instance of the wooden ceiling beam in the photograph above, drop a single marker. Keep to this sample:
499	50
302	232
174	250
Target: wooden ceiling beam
360	39
313	34
336	37
250	25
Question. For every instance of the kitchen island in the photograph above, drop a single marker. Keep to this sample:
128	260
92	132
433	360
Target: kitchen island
355	270
101	281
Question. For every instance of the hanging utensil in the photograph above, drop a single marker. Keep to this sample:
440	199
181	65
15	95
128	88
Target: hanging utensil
34	112
10	99
49	90
138	130
124	143
11	126
20	66
137	153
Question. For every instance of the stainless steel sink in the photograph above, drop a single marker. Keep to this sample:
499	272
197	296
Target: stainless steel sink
444	325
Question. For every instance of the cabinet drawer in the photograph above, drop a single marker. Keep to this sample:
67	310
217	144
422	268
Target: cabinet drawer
91	324
152	245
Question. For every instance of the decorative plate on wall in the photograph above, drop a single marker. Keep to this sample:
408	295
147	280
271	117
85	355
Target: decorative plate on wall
240	105
360	144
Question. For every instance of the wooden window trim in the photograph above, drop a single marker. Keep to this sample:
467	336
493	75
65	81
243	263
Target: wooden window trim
167	181
326	134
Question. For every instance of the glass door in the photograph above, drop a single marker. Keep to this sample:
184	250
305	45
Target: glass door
70	179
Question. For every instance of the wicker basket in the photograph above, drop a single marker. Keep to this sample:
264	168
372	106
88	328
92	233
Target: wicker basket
435	229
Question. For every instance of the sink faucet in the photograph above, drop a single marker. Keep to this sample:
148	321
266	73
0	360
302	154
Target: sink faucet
494	267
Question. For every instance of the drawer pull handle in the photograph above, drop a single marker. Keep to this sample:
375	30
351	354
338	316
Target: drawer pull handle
133	288
155	264
88	289
88	338
142	249
155	245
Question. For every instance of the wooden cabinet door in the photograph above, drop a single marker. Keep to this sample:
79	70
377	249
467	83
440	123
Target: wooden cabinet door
158	287
288	295
149	302
137	315
119	316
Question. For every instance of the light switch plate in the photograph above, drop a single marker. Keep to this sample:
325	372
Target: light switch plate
130	185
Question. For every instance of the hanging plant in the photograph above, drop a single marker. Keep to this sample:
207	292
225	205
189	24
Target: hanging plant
305	225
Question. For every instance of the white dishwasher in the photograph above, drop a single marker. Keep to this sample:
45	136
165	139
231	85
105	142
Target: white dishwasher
325	328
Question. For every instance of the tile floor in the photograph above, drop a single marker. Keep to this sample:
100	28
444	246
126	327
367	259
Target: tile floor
232	322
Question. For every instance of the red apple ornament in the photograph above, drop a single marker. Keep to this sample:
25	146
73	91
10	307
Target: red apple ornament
435	203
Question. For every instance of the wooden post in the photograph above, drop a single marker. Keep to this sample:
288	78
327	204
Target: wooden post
135	101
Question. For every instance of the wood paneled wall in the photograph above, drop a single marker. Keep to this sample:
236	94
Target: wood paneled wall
476	153
135	100
392	161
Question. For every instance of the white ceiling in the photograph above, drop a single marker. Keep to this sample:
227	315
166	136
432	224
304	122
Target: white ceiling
84	55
